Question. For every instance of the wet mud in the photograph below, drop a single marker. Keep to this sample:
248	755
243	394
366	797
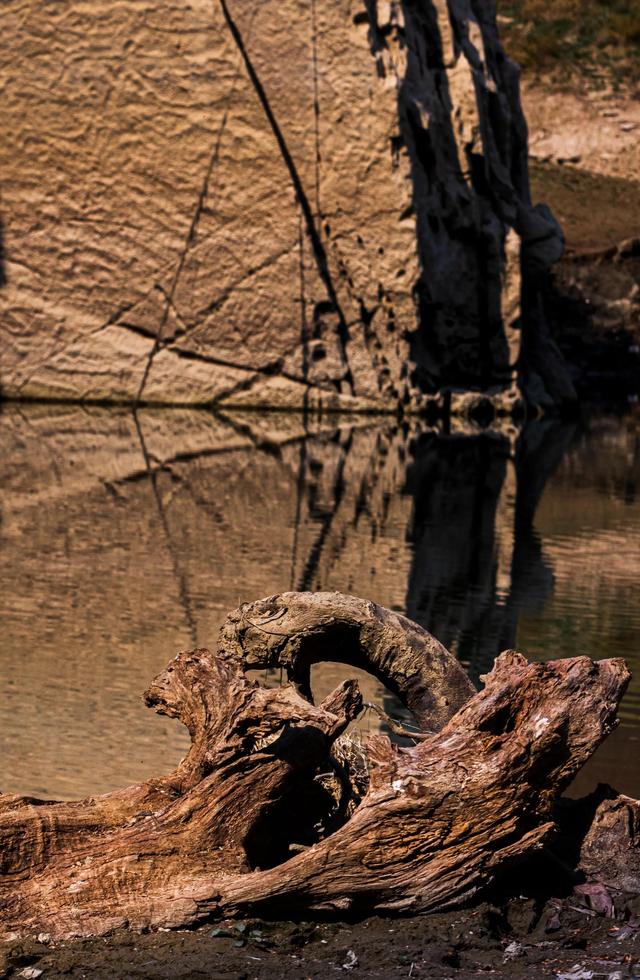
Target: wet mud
526	937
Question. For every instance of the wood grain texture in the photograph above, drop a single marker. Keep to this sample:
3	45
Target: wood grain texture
437	823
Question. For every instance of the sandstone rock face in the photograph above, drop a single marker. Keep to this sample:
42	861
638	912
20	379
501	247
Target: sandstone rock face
276	203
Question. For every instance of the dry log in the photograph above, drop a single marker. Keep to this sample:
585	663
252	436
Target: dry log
437	823
298	629
600	834
610	850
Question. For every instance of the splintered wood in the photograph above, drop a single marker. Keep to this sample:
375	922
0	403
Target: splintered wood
249	822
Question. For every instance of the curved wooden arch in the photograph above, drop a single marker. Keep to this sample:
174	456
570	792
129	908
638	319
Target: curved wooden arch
294	630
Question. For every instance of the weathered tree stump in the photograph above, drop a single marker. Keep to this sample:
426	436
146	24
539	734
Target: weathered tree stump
217	836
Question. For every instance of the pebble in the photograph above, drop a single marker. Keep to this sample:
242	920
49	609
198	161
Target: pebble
513	951
351	961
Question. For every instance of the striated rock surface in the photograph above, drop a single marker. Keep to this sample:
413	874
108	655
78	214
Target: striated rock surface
291	203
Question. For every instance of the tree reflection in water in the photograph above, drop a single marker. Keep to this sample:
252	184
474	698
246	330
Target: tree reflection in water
126	538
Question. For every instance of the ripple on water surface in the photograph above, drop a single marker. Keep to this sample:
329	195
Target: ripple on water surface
121	543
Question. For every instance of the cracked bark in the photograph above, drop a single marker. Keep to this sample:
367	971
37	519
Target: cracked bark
436	825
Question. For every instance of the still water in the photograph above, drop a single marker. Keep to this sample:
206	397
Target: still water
125	538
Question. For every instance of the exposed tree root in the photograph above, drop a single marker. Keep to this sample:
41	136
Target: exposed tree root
262	782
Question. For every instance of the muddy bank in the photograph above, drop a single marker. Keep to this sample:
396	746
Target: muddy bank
596	211
593	129
584	160
592	295
527	937
594	304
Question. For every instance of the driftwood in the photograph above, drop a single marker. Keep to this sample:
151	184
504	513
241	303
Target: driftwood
263	815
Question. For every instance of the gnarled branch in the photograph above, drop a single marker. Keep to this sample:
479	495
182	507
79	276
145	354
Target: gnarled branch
246	824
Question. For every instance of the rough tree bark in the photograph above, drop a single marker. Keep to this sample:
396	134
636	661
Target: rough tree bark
216	837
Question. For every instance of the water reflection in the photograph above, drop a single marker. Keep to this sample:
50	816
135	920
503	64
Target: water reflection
477	559
125	538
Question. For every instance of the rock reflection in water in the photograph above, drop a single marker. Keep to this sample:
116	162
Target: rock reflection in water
477	561
125	538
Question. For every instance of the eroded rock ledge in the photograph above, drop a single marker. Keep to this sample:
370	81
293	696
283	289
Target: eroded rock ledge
282	204
268	813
